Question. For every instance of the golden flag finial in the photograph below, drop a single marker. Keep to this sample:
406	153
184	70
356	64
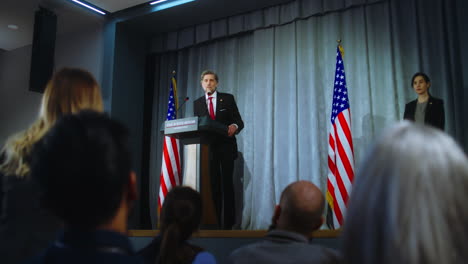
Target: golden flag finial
340	47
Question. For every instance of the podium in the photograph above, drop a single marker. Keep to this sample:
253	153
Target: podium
196	134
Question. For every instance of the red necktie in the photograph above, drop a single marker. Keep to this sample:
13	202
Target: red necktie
212	114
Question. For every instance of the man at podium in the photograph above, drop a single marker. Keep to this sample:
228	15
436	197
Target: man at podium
221	107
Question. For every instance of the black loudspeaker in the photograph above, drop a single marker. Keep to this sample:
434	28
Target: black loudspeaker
43	49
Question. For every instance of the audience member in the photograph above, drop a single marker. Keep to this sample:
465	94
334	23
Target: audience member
409	200
82	166
295	218
180	217
25	228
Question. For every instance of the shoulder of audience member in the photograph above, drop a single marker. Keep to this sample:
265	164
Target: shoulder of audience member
151	251
204	257
332	256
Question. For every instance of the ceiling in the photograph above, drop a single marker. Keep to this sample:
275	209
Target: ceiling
72	17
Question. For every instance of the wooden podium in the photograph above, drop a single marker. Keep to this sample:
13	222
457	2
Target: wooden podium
196	134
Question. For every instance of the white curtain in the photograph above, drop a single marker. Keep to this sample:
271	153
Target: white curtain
282	77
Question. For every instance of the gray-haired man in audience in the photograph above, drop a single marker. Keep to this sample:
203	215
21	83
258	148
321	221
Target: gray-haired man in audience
295	218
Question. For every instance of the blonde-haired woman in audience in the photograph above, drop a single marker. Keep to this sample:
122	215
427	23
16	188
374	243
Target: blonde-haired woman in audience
409	202
25	228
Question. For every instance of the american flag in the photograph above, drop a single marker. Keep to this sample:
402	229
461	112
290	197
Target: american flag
170	168
340	149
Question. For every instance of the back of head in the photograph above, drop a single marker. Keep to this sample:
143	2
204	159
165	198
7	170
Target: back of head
82	166
69	91
180	217
409	200
302	204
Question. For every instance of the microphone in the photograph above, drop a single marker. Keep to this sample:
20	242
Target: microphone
185	100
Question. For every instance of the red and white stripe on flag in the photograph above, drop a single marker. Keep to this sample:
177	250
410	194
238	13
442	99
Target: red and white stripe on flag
170	169
340	148
171	174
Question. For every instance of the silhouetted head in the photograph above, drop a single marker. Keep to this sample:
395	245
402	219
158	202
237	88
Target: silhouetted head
83	168
181	210
300	209
69	91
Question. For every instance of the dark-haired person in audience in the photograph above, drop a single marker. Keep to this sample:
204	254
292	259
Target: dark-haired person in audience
426	109
180	217
409	201
25	228
82	166
295	218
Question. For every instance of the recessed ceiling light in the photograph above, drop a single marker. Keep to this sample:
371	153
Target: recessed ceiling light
89	6
163	4
12	26
157	2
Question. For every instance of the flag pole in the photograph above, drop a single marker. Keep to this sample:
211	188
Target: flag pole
170	165
174	88
340	178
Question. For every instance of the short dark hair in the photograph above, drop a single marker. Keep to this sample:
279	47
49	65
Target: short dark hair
422	74
205	72
82	166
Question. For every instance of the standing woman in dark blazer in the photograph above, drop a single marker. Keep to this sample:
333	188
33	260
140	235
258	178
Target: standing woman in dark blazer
426	109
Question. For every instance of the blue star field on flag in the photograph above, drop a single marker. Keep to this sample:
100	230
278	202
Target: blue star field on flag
340	92
171	109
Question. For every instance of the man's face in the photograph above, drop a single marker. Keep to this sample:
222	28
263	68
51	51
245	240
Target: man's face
209	83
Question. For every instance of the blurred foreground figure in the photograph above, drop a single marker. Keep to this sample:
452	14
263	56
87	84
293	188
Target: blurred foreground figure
82	166
25	228
409	200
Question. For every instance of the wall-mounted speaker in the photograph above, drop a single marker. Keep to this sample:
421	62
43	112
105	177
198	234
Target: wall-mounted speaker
43	49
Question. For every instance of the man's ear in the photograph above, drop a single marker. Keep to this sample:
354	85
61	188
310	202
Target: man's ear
132	187
276	214
319	223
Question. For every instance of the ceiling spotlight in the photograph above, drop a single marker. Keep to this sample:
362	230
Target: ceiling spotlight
12	26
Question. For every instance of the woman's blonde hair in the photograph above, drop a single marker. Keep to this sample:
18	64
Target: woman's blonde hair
69	91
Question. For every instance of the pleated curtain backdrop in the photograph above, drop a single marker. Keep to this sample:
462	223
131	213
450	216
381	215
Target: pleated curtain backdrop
279	63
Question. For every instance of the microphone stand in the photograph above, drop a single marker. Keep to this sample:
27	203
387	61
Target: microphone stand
180	106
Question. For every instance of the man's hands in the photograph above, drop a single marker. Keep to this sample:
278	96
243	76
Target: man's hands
232	129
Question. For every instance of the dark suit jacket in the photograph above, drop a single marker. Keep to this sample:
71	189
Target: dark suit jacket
99	246
25	227
435	114
227	113
280	246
